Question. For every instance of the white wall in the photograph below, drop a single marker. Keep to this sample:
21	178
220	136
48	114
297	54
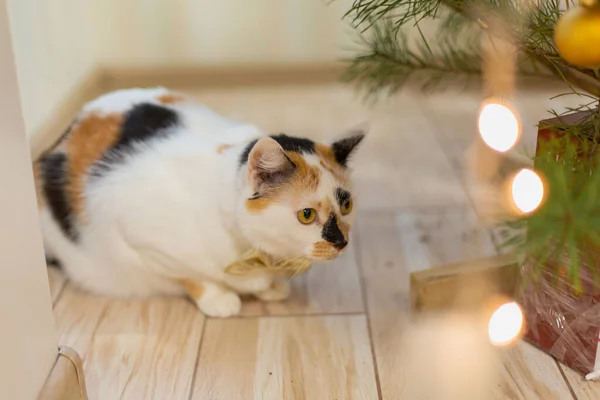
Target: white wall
28	346
208	32
58	42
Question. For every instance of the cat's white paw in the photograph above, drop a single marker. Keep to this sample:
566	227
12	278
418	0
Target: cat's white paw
252	283
220	305
279	290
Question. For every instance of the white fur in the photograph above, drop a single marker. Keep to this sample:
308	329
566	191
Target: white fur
122	100
175	210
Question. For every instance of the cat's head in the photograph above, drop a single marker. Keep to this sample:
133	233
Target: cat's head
299	200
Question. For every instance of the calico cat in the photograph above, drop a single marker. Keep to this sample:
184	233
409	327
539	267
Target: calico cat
149	192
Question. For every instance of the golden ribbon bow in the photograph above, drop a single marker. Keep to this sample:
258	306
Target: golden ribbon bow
256	260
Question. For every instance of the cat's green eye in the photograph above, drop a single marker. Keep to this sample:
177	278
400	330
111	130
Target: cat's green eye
307	215
347	207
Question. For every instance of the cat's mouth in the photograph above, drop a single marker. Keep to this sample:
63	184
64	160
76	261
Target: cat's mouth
327	251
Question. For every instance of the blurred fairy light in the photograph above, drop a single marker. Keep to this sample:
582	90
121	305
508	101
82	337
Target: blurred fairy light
527	190
450	358
506	324
499	127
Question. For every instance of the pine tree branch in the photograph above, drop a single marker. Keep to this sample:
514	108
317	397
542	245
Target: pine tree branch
365	13
570	74
500	18
390	61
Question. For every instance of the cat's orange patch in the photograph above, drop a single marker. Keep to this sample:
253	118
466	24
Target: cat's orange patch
324	208
261	203
194	289
170	98
325	153
222	147
329	163
306	177
324	250
88	141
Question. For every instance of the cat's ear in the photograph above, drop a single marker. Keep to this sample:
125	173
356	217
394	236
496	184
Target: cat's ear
268	165
343	148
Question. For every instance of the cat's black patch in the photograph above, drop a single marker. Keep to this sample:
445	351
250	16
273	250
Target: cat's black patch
288	143
53	168
53	262
299	145
331	232
343	148
143	122
255	196
246	152
342	195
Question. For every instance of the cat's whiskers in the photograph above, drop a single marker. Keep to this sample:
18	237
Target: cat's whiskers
286	260
298	270
286	263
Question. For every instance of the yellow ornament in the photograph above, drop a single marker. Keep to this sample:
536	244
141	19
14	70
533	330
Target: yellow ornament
577	36
589	3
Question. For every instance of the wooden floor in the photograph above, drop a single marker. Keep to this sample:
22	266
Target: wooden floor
339	335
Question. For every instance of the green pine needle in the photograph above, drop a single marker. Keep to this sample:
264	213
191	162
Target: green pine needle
391	60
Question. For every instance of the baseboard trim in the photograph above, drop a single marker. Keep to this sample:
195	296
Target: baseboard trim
222	76
66	380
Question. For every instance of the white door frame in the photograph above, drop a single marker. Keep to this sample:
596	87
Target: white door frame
28	347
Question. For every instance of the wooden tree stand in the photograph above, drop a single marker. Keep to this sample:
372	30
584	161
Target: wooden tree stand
465	286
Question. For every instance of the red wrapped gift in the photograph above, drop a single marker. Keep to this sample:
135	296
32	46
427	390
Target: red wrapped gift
561	320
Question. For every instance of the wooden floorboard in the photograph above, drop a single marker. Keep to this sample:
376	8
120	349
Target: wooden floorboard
528	373
394	244
584	390
391	246
286	358
138	349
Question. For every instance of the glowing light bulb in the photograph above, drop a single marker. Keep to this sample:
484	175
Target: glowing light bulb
527	190
506	324
499	126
